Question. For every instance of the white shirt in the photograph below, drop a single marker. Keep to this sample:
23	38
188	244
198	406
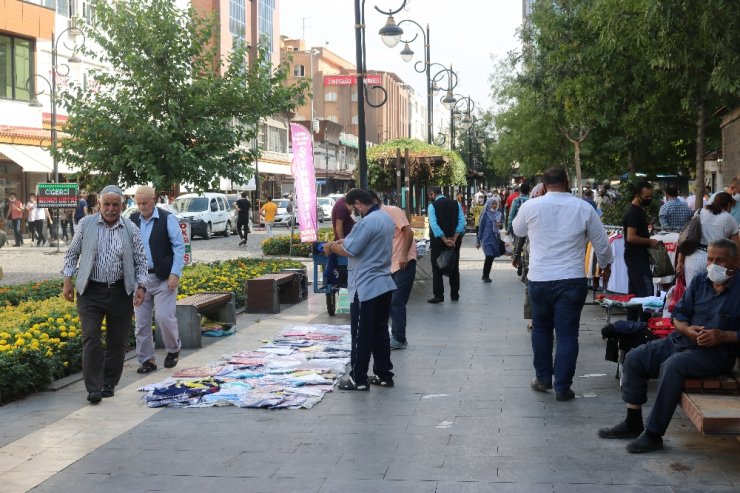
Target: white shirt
38	213
559	225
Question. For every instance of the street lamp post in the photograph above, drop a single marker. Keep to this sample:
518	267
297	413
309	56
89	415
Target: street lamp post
52	86
361	55
424	66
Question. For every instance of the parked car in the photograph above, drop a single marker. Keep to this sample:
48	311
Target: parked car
284	214
208	213
326	204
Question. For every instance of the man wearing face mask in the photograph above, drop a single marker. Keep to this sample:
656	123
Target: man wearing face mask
636	244
705	343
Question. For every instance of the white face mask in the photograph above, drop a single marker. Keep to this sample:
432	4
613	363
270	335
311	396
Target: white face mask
717	274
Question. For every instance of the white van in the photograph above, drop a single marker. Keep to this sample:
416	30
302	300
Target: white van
208	213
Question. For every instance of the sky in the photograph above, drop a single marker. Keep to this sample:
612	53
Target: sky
464	33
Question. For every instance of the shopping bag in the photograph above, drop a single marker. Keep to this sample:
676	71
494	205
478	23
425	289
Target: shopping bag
689	238
342	301
508	244
446	260
677	293
660	262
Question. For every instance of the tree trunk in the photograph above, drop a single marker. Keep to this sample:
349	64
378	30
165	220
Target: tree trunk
701	123
577	159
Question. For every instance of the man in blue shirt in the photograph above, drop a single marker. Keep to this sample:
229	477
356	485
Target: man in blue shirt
705	343
369	247
447	227
674	214
165	251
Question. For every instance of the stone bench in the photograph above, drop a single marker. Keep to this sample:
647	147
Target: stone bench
264	294
713	403
218	306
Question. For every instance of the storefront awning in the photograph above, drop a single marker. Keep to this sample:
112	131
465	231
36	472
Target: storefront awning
273	169
33	159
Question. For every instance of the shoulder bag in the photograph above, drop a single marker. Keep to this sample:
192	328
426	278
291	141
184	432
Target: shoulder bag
660	262
689	238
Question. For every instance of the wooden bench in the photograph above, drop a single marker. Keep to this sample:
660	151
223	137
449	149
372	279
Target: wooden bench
216	305
264	294
713	403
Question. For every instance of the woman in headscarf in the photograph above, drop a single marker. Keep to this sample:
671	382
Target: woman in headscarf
489	236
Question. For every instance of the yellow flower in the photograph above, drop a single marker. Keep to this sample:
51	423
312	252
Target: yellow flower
63	334
19	342
60	320
66	364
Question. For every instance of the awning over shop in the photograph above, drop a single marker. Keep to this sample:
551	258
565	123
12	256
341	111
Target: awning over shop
227	184
273	169
33	159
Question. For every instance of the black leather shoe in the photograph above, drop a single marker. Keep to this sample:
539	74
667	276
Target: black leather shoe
454	298
486	279
94	397
108	391
646	442
539	386
147	367
435	300
565	396
622	430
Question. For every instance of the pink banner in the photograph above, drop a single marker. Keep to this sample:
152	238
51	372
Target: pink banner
305	182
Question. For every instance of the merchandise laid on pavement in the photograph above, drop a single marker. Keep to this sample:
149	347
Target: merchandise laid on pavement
292	371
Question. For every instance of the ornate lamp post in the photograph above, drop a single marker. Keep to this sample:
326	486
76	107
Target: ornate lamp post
392	33
424	66
61	71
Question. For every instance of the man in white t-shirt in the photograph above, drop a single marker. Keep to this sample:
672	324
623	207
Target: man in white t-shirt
558	225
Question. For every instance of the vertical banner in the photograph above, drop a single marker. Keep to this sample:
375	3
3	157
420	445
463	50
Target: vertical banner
305	182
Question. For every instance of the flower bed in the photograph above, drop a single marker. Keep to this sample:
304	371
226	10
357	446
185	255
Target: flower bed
40	339
280	245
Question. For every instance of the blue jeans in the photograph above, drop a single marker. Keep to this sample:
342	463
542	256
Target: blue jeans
404	280
16	224
556	305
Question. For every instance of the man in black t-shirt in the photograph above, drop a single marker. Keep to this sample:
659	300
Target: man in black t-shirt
243	206
636	243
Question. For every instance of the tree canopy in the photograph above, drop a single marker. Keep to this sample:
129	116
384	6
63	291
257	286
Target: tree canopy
623	73
428	164
168	110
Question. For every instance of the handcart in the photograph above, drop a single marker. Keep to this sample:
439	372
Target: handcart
331	290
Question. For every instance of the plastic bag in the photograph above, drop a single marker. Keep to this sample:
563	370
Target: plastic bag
446	260
342	301
508	244
676	293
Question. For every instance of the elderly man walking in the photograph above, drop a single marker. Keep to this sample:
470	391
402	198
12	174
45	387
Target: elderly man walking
558	225
111	280
165	250
370	248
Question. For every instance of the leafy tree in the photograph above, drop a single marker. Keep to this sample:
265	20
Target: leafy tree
168	110
692	55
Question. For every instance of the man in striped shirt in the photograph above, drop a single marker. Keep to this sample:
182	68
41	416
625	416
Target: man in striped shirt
111	279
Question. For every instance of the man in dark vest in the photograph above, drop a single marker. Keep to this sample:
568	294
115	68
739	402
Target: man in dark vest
447	227
165	250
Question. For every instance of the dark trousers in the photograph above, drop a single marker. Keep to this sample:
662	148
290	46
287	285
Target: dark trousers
487	264
404	279
16	224
39	226
103	366
438	288
556	308
65	223
31	226
640	282
242	227
370	337
670	360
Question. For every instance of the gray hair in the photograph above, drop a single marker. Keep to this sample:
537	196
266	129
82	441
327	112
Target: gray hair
725	244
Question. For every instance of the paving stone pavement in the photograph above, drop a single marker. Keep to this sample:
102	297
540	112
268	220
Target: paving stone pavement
461	418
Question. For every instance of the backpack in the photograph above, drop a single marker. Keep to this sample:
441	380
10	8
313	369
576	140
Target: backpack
689	239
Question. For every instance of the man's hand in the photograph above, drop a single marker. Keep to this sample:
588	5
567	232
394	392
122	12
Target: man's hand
655	243
172	282
403	262
694	331
139	297
69	292
606	273
477	245
710	337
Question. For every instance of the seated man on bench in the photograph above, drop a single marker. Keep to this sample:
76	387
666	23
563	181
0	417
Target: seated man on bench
705	343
